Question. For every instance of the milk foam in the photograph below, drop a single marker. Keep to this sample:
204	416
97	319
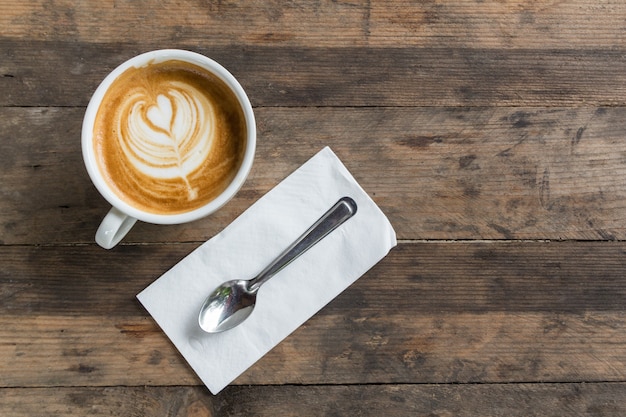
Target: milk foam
168	138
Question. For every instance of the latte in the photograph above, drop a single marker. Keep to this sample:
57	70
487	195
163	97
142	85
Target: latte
169	137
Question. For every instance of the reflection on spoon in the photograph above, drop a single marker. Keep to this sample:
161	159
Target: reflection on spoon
233	301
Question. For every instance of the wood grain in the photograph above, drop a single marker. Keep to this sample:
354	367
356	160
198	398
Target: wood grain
438	173
414	279
38	73
463	23
52	350
493	400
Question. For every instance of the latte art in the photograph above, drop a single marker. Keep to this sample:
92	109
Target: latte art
170	136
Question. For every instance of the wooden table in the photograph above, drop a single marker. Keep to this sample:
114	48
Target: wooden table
491	132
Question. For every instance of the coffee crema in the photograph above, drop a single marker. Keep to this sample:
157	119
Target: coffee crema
169	137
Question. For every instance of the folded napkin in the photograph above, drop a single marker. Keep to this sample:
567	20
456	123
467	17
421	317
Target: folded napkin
251	242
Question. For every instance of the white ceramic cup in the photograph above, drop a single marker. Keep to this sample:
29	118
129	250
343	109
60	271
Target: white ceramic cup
122	216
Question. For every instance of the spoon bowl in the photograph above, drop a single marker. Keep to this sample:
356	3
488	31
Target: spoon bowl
230	304
233	301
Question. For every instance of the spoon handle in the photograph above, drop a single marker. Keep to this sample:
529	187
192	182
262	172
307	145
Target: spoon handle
333	218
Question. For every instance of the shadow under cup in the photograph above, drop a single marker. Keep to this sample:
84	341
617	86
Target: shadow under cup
168	137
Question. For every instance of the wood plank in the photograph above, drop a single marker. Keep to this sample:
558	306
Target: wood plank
213	23
438	173
448	277
109	401
337	76
441	348
505	24
464	23
428	313
545	400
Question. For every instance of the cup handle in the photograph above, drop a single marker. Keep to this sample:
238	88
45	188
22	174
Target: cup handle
113	228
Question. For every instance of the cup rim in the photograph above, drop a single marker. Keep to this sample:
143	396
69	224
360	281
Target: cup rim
156	56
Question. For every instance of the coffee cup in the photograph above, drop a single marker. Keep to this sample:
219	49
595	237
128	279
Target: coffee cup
168	137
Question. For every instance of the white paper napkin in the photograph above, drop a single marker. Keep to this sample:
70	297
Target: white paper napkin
246	246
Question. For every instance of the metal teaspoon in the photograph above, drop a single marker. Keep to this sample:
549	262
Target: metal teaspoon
233	301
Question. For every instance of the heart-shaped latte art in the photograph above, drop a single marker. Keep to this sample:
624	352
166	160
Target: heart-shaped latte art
160	114
168	136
